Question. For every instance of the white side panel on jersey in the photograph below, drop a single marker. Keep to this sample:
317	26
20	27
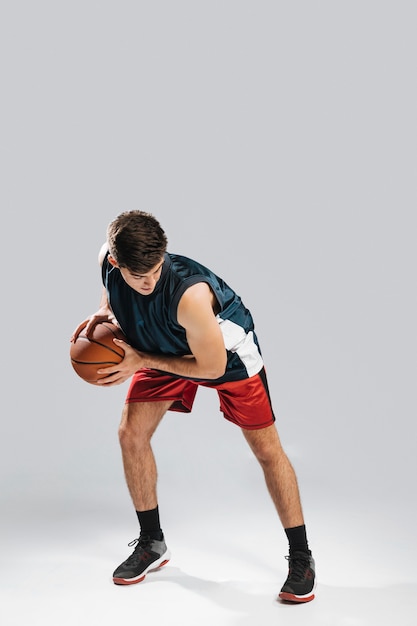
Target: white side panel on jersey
236	340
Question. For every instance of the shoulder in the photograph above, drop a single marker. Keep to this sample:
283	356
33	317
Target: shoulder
195	293
102	254
196	302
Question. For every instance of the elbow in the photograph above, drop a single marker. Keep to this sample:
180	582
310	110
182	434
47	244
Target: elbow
218	370
215	374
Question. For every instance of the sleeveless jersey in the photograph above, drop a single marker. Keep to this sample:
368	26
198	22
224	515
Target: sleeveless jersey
150	322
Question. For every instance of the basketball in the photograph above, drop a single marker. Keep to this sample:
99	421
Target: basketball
88	354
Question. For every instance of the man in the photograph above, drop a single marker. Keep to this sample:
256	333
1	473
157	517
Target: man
186	327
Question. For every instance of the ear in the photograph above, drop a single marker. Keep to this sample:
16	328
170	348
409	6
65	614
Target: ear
112	261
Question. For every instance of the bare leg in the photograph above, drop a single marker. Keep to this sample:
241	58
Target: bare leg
279	474
138	424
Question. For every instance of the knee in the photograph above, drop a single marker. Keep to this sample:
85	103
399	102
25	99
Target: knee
269	454
126	433
266	446
131	432
139	422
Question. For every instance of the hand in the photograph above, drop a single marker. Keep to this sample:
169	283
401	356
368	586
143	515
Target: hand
118	374
104	314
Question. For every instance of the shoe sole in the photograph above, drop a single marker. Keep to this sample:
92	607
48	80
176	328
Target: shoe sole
152	568
292	597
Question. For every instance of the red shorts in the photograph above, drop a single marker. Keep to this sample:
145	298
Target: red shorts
244	402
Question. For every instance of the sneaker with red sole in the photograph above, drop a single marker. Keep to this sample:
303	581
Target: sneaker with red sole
300	583
148	555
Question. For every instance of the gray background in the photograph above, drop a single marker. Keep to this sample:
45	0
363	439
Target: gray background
276	143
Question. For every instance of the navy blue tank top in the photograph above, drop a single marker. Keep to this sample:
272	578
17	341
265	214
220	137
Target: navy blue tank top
150	322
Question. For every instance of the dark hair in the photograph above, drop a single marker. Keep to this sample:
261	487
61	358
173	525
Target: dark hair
136	241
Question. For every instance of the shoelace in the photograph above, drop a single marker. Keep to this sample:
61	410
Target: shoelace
298	565
142	541
137	554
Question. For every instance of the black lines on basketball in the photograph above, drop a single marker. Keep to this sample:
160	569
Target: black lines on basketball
88	354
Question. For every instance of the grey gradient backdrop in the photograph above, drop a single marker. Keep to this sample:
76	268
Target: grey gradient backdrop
276	143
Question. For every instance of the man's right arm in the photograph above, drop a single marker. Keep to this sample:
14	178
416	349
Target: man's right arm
104	313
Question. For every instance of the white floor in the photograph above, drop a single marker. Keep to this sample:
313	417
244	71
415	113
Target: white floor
66	587
58	571
65	528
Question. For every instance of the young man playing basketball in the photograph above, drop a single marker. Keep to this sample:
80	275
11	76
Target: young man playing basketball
186	327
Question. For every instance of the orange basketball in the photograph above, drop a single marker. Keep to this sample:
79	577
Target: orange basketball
98	350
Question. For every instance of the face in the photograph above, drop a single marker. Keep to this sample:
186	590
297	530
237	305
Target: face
142	283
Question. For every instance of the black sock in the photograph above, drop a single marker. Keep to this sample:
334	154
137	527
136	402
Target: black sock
150	524
297	538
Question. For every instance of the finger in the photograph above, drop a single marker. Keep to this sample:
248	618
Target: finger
121	343
111	380
111	383
93	321
78	330
89	327
108	371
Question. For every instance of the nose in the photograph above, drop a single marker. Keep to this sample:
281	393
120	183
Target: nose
149	282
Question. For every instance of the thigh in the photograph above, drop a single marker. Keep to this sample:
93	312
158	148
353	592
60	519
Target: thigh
264	443
140	419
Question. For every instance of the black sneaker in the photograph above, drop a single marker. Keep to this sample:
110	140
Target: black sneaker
299	585
148	556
